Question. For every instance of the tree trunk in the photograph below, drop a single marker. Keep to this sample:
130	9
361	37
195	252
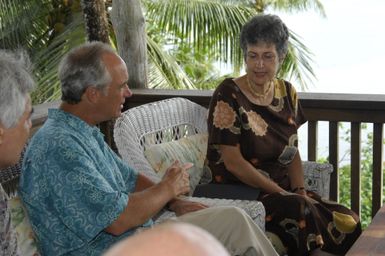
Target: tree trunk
95	18
129	25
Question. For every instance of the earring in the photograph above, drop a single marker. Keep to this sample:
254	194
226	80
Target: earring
1	135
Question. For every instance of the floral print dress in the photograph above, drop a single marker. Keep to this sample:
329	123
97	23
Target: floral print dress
8	240
267	137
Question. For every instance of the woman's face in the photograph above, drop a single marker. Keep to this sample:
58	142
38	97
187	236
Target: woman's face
12	139
262	63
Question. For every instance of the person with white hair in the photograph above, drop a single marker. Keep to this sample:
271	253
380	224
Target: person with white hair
170	238
15	111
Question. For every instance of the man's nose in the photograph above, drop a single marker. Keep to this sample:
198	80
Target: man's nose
127	92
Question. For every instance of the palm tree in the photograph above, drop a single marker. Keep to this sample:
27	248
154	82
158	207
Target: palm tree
96	20
213	27
49	28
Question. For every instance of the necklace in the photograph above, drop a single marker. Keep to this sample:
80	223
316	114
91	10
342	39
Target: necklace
257	94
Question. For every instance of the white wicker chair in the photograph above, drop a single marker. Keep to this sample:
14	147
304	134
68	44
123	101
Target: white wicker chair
172	119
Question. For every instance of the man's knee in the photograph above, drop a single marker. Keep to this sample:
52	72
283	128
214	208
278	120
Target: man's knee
231	212
234	210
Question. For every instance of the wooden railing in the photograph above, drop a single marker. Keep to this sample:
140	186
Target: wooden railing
333	108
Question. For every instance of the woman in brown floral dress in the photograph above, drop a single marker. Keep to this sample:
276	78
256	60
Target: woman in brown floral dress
253	122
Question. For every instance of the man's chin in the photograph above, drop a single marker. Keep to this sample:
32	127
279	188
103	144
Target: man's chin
117	115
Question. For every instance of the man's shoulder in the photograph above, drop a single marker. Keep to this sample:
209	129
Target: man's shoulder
50	142
52	132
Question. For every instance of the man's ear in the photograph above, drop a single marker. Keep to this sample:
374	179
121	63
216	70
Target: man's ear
92	94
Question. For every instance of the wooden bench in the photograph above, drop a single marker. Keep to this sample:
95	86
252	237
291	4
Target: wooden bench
372	240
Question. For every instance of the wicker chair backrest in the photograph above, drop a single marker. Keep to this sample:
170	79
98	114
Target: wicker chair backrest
155	123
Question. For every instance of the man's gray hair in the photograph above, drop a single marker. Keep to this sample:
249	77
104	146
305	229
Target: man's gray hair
15	84
83	67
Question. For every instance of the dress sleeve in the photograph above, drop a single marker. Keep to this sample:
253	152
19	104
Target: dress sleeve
8	240
224	125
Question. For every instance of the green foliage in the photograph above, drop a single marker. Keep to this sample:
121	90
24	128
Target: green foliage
46	29
185	39
212	27
197	65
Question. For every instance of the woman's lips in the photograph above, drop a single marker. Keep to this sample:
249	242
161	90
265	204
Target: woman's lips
260	74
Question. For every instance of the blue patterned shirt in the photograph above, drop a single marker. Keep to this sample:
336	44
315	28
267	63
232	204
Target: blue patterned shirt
74	186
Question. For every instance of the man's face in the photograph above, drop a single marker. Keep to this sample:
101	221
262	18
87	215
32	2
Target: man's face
12	140
114	96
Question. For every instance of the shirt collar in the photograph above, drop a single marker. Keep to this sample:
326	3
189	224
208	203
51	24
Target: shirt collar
73	121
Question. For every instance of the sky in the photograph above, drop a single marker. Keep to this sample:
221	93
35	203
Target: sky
348	45
349	51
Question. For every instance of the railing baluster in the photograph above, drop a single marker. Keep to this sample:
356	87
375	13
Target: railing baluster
333	159
312	131
377	167
355	162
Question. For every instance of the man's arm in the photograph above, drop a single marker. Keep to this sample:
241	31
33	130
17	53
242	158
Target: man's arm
149	198
143	183
178	205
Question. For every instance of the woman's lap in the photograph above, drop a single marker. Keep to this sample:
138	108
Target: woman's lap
304	224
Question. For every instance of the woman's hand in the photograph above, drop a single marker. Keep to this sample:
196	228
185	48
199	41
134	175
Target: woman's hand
296	177
245	171
300	191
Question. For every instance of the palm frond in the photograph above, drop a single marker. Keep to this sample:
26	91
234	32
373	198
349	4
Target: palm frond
47	60
296	5
164	71
211	24
298	63
25	24
20	24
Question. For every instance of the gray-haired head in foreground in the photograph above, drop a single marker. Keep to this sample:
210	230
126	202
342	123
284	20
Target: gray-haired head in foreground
265	28
83	67
15	84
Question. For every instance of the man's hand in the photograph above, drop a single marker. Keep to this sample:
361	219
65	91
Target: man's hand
181	206
177	179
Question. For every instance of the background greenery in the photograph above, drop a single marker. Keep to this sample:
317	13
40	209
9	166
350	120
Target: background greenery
186	39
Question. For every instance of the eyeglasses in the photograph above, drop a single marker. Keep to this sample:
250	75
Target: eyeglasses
266	58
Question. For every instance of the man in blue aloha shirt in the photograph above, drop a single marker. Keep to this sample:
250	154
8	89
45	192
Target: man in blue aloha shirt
81	197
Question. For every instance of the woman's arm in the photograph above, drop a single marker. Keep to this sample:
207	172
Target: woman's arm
295	171
245	171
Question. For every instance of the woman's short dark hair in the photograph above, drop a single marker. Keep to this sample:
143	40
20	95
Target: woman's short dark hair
265	28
